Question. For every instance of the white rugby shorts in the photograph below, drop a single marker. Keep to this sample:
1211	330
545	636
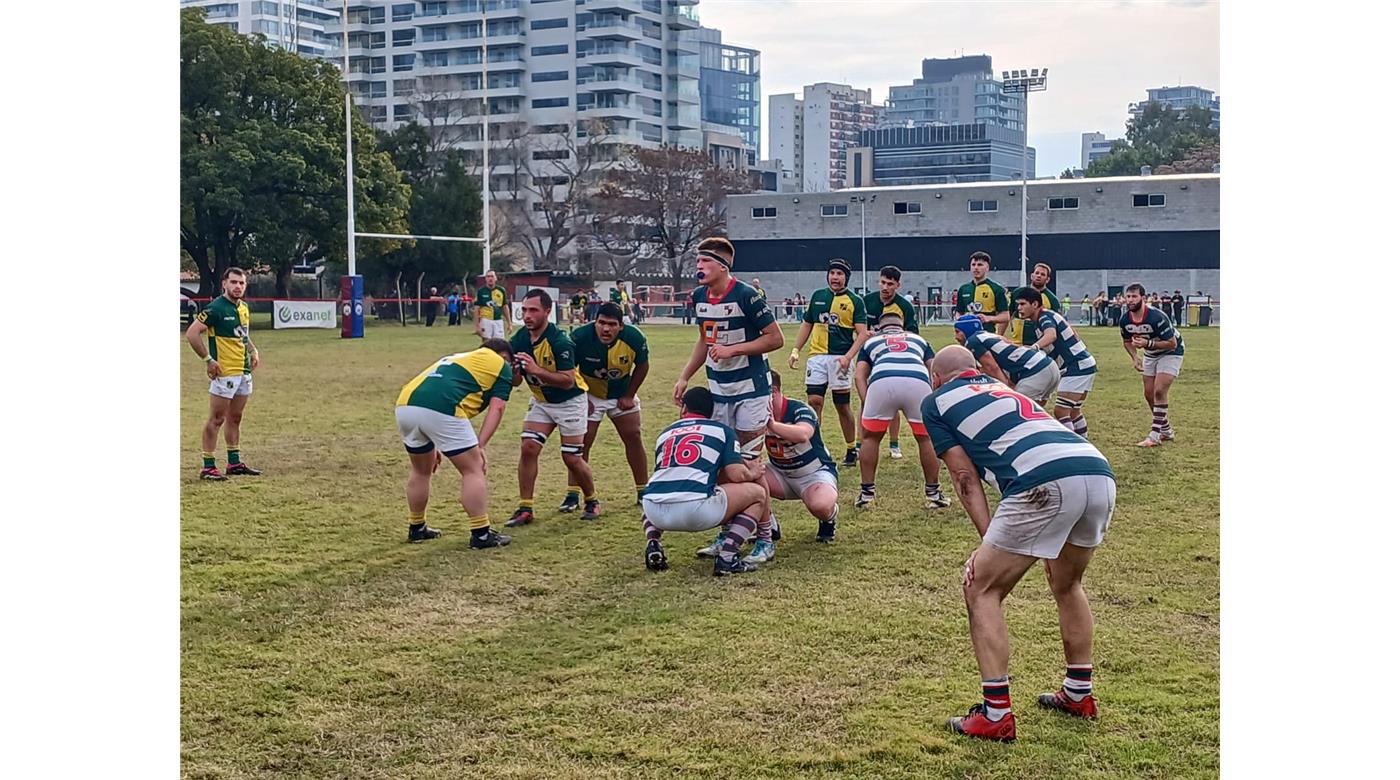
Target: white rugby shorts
1082	383
423	429
750	414
793	488
493	329
894	394
1162	364
698	514
1041	385
1038	522
229	386
598	407
571	416
826	370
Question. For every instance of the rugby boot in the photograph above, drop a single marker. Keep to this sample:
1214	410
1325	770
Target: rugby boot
592	510
489	539
421	533
1059	700
712	550
656	557
864	499
212	473
936	500
570	503
852	457
243	469
762	552
976	724
1149	442
896	452
826	531
734	565
521	517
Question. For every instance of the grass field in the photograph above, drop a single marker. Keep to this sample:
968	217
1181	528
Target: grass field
316	643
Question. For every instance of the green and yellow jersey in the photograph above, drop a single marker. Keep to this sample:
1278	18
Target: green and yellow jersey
607	368
617	296
460	385
553	352
833	317
874	310
984	297
491	303
228	335
1022	332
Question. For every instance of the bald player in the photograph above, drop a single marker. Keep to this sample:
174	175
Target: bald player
1058	494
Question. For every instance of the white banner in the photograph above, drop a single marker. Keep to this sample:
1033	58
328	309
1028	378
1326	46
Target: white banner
303	314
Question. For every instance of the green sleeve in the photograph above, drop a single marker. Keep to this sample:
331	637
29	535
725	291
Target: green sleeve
563	347
1002	295
637	340
911	317
501	389
860	310
810	315
520	340
958	306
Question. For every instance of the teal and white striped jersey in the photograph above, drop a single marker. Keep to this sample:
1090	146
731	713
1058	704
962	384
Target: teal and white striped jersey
736	317
897	353
800	458
1017	361
1067	350
1152	323
689	456
1013	442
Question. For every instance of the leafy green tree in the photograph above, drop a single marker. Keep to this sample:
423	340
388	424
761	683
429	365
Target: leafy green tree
262	150
1161	136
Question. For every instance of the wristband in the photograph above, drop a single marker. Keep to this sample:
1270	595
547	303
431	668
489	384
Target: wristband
1151	343
210	359
796	352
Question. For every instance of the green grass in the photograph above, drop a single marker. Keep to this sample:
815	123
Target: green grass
317	643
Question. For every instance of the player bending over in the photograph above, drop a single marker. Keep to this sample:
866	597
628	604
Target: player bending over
892	375
1056	337
434	413
1057	500
701	481
1026	370
799	467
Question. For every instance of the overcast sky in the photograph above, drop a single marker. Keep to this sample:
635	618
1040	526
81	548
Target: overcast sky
1103	54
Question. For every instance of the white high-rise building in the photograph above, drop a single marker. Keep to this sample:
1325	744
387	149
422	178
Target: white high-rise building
1092	146
553	67
305	25
810	136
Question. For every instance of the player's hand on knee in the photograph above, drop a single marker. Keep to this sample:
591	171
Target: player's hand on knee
968	573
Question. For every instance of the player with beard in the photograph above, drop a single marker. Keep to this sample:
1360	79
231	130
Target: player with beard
230	360
1150	329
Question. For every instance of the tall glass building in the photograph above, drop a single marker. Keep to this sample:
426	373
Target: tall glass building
730	87
936	154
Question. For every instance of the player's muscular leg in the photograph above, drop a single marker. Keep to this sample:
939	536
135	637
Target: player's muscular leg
820	500
817	402
629	429
232	424
587	448
1162	388
869	451
570	447
218	410
1076	621
1149	389
469	465
531	442
848	420
750	498
420	479
928	460
894	428
995	572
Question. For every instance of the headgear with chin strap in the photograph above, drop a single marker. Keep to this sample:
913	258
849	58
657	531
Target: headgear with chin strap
968	324
839	264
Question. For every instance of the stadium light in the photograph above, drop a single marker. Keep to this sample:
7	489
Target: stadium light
1024	85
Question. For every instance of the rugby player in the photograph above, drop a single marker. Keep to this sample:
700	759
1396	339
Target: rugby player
982	296
492	309
1150	330
1057	500
886	300
835	321
892	375
702	481
1017	332
230	360
618	295
544	359
1028	371
737	331
799	467
434	413
1056	337
613	360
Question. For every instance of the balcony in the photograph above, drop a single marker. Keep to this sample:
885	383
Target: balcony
610	29
682	18
615	6
448	44
613	110
611	83
616	56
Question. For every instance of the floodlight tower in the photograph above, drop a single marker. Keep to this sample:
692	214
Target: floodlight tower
1023	83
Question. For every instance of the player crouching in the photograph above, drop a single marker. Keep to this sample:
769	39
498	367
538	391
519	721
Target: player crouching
701	481
799	467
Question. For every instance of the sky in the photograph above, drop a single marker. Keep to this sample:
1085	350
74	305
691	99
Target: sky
1103	54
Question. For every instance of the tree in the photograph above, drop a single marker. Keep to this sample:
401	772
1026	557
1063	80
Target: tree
446	201
262	157
658	204
1161	135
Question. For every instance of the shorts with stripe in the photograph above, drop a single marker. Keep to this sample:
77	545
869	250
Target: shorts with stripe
571	416
1081	383
698	514
894	394
229	386
792	488
826	370
422	430
1041	385
1038	522
1161	364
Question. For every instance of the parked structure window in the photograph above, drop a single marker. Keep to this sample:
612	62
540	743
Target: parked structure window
549	102
834	209
981	205
1143	201
1057	204
539	51
548	24
550	154
910	207
765	212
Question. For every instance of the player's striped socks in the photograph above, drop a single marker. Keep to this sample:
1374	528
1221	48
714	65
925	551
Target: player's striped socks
640	489
233	456
590	497
738	532
527	504
996	697
653	533
1159	421
574	493
417	519
1081	426
850	445
765	528
867	487
1078	681
930	488
209	460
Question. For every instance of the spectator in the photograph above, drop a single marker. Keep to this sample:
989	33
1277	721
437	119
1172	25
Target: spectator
1178	303
918	313
1064	304
452	317
1100	304
1205	310
594	301
432	307
801	306
937	302
1086	310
